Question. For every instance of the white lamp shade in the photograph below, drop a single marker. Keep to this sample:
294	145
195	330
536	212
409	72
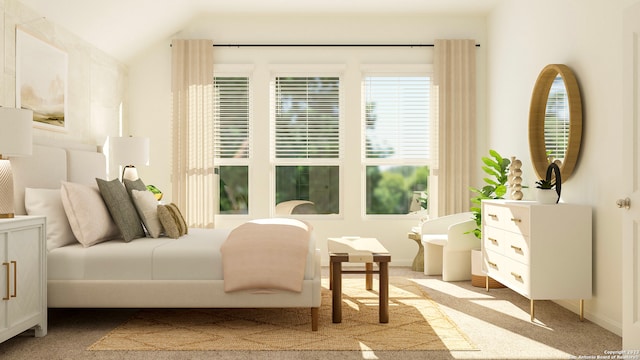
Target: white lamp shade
16	131
129	150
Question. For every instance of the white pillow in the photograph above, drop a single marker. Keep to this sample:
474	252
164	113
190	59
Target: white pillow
147	206
48	202
88	215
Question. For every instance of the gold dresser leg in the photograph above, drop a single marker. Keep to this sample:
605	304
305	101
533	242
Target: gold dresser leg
532	311
581	309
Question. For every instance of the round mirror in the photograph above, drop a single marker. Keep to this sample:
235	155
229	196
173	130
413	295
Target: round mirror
555	121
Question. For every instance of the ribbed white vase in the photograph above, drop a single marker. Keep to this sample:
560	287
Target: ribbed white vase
546	196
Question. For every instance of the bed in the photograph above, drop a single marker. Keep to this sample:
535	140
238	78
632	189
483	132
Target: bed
144	272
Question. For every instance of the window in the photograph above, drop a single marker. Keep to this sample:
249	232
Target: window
306	141
397	144
232	142
556	120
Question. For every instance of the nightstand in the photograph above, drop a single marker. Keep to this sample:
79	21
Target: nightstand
23	276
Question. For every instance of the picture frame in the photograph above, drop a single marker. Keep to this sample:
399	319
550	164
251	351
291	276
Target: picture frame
41	81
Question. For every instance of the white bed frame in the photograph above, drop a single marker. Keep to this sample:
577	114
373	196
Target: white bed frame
49	165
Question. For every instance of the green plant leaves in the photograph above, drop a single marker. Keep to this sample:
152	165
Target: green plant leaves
497	167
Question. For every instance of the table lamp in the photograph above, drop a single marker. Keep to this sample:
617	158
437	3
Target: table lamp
16	127
129	152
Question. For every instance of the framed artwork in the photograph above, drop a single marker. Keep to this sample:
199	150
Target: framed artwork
41	81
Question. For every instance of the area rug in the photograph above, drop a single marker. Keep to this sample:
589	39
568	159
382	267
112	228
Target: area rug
415	323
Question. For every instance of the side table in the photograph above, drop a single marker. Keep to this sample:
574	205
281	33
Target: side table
418	261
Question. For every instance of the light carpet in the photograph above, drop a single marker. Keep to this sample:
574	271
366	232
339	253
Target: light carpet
415	323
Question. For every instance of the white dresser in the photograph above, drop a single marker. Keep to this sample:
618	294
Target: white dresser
23	276
541	251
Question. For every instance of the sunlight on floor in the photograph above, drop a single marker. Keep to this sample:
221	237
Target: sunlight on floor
452	289
508	308
367	353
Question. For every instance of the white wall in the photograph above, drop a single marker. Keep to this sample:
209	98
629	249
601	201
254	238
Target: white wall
149	88
96	83
523	37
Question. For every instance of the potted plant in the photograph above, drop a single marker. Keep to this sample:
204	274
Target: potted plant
497	167
548	189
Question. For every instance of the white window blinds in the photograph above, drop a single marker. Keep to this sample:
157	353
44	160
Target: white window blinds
307	117
397	117
231	117
556	120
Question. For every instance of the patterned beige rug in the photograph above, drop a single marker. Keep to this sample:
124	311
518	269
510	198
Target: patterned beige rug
415	323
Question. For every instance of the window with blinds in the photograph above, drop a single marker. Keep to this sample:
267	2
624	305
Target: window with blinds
556	120
232	142
307	117
397	117
398	142
231	117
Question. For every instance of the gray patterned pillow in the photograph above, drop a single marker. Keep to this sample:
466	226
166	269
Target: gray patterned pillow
121	208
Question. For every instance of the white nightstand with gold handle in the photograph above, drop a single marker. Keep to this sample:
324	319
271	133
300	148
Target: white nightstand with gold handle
23	276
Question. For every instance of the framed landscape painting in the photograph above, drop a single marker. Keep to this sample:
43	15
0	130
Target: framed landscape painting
41	81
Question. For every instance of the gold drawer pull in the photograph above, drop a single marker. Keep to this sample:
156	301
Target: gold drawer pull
516	220
8	281
492	264
15	278
493	216
517	276
495	241
516	248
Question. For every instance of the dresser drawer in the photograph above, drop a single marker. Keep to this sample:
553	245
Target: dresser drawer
494	239
510	218
509	272
517	248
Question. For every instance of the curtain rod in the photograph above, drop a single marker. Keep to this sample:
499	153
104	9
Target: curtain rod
325	45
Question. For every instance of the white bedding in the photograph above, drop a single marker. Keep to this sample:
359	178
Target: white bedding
195	256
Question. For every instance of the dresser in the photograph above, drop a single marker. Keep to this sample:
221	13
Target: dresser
542	252
23	276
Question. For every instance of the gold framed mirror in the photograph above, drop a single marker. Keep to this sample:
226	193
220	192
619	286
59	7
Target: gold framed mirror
555	121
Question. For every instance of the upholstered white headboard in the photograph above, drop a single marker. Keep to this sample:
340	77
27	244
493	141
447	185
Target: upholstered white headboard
50	165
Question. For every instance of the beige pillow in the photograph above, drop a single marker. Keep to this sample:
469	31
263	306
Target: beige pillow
169	222
147	206
48	202
88	215
182	224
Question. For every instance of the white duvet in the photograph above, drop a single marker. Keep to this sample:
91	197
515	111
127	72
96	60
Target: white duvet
195	256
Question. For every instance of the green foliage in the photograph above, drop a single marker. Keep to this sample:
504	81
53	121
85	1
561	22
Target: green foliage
545	184
495	188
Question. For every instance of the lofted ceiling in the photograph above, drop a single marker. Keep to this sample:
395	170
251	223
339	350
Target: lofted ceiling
122	27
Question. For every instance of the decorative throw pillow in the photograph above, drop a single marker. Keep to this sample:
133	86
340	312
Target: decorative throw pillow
147	207
169	222
178	216
87	213
121	209
48	202
131	185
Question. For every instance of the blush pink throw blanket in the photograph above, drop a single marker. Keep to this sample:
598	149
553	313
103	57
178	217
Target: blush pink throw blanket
266	254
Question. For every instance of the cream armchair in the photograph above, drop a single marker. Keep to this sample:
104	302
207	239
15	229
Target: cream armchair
448	242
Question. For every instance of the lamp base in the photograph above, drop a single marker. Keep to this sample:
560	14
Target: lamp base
130	173
6	190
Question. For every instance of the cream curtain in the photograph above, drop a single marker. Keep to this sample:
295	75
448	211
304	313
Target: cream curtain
193	180
455	78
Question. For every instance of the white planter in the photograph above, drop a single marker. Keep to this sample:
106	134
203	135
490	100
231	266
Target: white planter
546	196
